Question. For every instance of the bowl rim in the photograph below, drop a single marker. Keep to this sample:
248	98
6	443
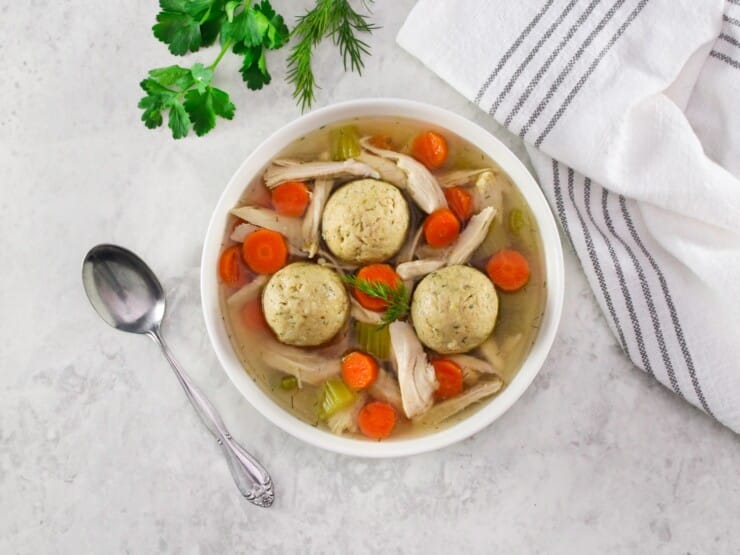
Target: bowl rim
442	118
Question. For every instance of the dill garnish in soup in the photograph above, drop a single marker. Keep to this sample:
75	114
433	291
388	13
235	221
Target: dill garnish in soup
381	278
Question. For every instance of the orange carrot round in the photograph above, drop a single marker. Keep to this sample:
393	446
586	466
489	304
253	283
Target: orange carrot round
359	370
230	267
460	202
441	228
376	273
265	251
430	149
508	270
450	378
252	315
291	198
377	420
381	141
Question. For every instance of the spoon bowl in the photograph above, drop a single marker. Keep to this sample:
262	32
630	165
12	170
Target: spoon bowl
122	289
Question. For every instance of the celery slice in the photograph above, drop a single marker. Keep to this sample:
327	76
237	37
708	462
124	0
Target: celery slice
374	339
344	143
335	396
288	382
517	220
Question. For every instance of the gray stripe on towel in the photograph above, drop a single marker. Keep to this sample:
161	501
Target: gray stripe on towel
569	66
725	58
671	306
645	286
572	94
636	328
729	38
531	56
594	261
545	66
523	35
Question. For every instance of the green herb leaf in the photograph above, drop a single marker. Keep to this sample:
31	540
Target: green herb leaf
201	76
179	121
186	25
222	105
396	298
254	68
277	31
152	106
180	77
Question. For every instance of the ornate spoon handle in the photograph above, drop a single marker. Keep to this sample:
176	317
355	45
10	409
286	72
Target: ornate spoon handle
250	476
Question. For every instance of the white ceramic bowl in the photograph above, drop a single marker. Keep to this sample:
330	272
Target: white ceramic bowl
440	118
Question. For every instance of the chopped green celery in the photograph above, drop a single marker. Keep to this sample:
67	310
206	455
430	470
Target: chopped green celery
288	383
335	396
517	220
374	339
344	142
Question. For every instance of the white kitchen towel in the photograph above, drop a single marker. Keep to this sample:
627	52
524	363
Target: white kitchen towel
631	110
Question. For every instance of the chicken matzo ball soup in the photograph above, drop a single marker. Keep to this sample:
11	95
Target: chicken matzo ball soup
381	278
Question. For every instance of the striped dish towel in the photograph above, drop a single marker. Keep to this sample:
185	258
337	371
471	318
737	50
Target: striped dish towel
631	113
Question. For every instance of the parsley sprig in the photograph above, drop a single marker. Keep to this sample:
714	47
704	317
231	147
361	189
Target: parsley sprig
396	298
187	97
187	94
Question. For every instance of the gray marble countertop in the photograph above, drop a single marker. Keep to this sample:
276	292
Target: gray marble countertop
101	453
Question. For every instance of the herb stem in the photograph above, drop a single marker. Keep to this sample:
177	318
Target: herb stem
221	54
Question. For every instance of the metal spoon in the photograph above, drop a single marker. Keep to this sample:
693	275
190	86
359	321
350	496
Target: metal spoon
127	295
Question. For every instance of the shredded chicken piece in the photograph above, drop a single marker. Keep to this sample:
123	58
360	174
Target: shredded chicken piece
416	377
420	183
269	219
385	388
460	177
472	367
496	355
406	254
250	291
276	174
312	219
388	170
346	420
418	268
471	237
362	314
309	367
445	409
241	231
473	363
287	162
488	192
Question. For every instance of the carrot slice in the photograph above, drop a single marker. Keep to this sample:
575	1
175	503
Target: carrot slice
265	251
376	273
253	316
230	268
441	228
291	198
430	149
508	270
359	370
377	419
460	202
381	141
450	378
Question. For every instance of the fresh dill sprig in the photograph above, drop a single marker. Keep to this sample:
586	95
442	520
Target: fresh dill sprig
396	298
335	19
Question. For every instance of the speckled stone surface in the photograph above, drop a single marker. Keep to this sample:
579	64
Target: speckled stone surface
101	453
